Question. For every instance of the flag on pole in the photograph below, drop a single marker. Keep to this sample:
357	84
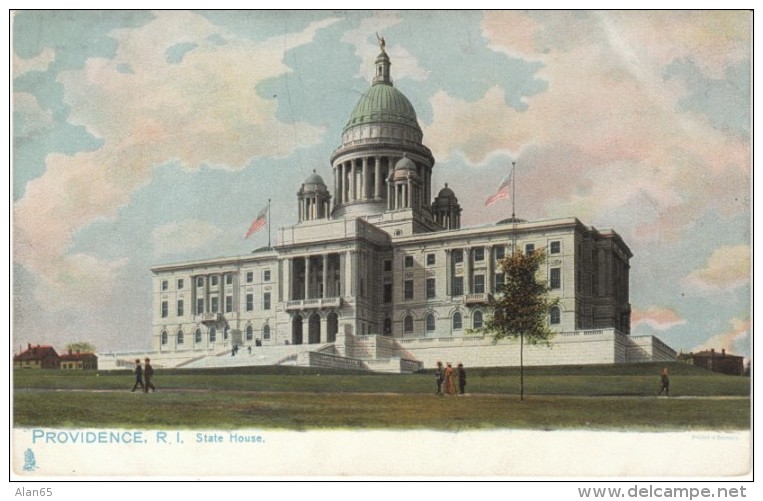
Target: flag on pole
502	192
258	222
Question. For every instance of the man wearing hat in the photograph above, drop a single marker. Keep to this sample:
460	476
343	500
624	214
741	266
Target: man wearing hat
148	373
138	376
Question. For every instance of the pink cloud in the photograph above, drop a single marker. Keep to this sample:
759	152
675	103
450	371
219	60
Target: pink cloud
657	318
727	268
735	341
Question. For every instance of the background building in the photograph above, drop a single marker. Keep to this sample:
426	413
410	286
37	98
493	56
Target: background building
37	357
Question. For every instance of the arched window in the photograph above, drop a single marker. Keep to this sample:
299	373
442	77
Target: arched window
477	319
266	332
556	315
408	324
197	336
164	337
180	337
249	333
457	321
430	322
212	334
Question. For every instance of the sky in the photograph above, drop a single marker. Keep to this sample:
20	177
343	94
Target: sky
143	138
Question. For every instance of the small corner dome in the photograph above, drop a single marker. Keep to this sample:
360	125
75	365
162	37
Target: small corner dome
314	178
404	168
446	192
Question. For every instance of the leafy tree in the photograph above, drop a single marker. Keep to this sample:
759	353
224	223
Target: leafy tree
521	308
81	346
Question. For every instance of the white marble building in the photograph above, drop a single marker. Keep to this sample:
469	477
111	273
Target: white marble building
377	274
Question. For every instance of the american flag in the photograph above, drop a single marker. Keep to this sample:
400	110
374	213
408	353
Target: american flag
503	191
258	222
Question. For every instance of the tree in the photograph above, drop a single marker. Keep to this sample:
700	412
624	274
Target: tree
80	346
521	308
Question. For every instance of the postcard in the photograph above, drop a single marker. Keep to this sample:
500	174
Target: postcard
381	244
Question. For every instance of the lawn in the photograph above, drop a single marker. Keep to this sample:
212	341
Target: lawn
592	397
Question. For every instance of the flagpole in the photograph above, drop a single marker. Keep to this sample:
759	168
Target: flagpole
268	224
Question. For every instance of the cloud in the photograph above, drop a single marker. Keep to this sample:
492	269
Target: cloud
203	109
727	268
608	133
736	341
37	63
186	235
660	319
32	119
367	47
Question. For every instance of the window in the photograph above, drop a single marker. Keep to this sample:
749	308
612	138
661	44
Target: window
164	285
556	278
200	282
228	279
458	286
499	282
529	249
164	337
387	265
387	293
458	256
266	301
228	304
215	305
555	247
249	302
197	336
477	319
165	309
408	293
500	252
199	306
479	254
430	323
266	276
479	284
180	283
430	259
213	280
226	332
408	261
431	290
249	277
408	324
266	332
555	315
457	321
180	308
249	332
181	337
212	334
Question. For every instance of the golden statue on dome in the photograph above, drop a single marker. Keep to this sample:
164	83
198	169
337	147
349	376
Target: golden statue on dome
382	42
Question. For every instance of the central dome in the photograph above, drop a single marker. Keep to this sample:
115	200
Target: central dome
383	103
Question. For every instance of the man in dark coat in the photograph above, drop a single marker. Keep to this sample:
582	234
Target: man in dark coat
148	373
138	376
665	382
461	379
439	376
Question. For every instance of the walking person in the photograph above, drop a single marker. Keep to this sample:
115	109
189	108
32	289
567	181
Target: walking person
461	379
439	376
664	382
148	373
138	371
450	381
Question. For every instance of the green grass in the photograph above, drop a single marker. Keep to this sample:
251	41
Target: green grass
591	397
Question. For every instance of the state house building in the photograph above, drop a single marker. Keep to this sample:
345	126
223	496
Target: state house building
378	274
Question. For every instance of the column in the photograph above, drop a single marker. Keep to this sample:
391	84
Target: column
336	185
389	195
352	180
307	277
348	274
448	273
409	189
364	183
377	178
323	335
467	270
325	275
490	272
340	195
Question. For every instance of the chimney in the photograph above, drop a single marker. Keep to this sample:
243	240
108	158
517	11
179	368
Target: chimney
70	351
29	346
723	352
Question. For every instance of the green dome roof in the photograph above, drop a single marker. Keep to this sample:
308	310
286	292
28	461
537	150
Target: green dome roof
383	103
